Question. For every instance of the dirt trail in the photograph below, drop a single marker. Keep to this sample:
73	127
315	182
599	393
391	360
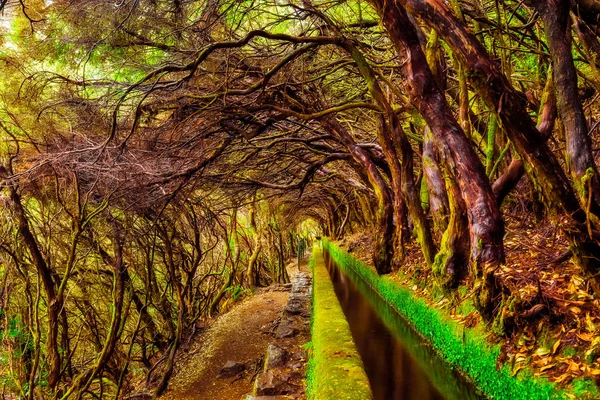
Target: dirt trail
235	336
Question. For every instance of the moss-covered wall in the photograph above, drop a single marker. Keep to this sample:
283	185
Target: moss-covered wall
335	370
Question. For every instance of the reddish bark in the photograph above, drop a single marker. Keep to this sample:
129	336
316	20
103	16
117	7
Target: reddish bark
555	15
485	221
515	171
540	163
399	155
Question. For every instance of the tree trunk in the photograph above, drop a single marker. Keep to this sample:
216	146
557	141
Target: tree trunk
384	237
541	164
590	44
546	118
436	187
54	302
397	148
555	15
451	261
485	222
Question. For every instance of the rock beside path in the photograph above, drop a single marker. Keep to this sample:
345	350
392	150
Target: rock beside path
276	357
231	368
283	376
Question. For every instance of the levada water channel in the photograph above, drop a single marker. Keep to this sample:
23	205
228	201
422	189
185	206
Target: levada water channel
400	365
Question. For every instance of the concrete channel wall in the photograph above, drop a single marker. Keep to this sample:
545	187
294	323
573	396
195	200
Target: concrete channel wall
336	370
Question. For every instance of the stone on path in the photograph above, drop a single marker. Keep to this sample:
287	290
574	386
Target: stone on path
273	383
276	357
231	368
286	329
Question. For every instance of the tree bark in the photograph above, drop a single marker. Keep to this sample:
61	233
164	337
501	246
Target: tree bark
485	222
438	197
546	118
453	258
384	237
397	148
55	302
580	160
540	163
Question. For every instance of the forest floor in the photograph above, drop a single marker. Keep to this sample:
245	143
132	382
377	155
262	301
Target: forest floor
562	343
234	336
241	335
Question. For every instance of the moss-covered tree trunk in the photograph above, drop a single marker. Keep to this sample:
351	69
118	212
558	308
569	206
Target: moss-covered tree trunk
55	302
251	273
453	257
578	152
485	222
590	46
399	155
450	218
436	187
546	119
540	163
384	238
447	206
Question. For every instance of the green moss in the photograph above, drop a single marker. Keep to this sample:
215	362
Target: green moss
424	194
569	352
335	369
464	304
582	388
463	290
438	267
464	349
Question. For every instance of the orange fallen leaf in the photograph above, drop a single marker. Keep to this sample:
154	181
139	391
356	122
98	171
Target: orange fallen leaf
585	336
573	366
555	347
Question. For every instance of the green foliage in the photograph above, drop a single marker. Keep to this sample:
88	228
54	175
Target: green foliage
463	349
238	292
22	343
569	352
582	388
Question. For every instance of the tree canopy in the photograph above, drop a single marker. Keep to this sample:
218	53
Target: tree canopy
159	158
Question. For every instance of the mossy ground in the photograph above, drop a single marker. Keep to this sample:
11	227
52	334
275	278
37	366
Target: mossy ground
335	369
462	348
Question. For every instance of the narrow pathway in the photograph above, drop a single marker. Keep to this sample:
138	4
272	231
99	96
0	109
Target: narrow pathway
240	335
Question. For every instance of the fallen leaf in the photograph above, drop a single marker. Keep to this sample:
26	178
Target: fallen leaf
542	351
573	366
517	368
590	324
547	367
585	336
555	347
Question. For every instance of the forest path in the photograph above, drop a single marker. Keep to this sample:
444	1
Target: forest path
234	336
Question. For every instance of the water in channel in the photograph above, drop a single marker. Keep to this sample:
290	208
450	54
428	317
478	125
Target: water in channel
400	366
